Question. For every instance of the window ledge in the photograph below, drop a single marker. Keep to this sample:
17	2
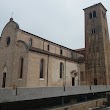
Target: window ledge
20	79
41	79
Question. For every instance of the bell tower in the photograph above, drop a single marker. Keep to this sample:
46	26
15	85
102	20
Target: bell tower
97	64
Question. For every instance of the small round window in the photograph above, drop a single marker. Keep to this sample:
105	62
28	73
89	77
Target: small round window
8	41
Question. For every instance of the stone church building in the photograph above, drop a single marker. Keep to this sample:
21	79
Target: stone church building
27	60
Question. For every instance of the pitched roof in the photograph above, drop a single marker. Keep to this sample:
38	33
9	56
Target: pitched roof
96	5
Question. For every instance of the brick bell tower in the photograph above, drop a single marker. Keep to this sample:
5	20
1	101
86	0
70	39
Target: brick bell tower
97	64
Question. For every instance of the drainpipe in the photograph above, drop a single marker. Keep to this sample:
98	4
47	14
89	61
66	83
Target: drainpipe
47	69
65	76
43	44
78	75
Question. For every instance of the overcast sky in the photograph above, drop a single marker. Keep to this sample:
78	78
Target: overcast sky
60	21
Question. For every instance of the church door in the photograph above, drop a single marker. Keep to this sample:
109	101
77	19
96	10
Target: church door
73	81
95	81
4	80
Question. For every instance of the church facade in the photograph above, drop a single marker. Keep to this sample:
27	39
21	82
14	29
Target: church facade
27	60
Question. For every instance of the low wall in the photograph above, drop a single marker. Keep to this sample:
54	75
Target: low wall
83	106
20	94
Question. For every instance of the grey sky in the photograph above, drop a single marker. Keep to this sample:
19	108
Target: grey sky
60	21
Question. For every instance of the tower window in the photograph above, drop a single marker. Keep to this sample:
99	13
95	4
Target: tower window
90	15
93	31
48	47
61	69
41	68
21	67
94	14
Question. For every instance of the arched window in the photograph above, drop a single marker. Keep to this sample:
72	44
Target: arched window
61	52
61	69
48	47
21	62
30	42
90	15
42	68
94	14
8	41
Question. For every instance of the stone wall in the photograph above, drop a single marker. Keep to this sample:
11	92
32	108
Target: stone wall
22	94
84	105
51	71
41	43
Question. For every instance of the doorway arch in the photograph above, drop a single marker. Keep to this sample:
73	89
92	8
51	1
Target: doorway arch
4	77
